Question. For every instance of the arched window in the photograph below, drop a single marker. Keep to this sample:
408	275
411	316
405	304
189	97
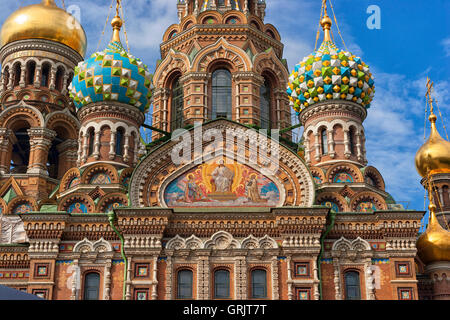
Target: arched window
91	138
59	78
92	286
31	71
352	140
119	141
185	281
17	72
266	101
20	155
445	195
177	104
222	284
45	75
324	140
221	94
352	286
259	284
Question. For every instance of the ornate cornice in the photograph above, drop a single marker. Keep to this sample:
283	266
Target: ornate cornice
111	106
40	44
332	106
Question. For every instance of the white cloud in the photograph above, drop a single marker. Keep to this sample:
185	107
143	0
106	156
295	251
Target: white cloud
446	44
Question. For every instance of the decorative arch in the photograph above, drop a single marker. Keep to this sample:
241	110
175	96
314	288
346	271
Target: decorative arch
318	175
125	176
22	204
222	240
100	168
375	176
187	23
70	179
203	16
19	113
86	246
64	119
112	201
360	202
347	168
221	50
333	198
172	28
357	244
3	207
257	23
77	203
268	61
174	61
270	28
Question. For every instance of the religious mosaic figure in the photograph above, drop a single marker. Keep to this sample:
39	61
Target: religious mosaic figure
252	189
222	178
193	191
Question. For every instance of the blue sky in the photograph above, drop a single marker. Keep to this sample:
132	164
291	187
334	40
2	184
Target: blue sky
413	43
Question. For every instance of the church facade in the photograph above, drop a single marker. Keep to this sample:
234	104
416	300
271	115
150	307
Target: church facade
221	204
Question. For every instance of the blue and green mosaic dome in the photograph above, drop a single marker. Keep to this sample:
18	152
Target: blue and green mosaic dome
112	75
330	74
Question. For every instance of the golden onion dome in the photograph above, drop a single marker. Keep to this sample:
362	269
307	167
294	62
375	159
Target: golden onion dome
44	21
434	244
434	156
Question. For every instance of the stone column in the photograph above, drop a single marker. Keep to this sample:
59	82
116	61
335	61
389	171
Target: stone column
76	271
40	143
289	275
97	145
112	146
23	69
169	275
52	78
275	288
347	152
307	150
84	146
107	295
359	147
317	146
64	86
337	279
126	147
128	284
316	280
155	278
5	149
37	76
331	144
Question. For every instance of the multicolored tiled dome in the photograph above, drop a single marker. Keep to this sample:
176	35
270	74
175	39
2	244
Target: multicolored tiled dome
330	74
112	75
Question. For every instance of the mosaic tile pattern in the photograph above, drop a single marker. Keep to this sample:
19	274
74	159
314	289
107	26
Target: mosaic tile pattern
112	75
330	74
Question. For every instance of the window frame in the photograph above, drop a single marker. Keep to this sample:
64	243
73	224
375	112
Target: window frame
226	285
252	277
347	286
191	273
224	91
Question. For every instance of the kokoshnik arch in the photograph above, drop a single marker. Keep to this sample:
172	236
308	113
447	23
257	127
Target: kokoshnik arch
72	161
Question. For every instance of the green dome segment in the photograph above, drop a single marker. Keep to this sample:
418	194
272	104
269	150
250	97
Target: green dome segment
330	74
112	75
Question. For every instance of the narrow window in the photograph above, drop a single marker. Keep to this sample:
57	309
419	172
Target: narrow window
185	280
59	79
352	140
91	139
92	286
265	97
222	284
119	142
259	284
221	94
17	72
177	104
324	139
45	75
352	286
31	71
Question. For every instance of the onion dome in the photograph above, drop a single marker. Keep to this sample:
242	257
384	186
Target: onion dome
44	21
434	156
112	75
330	74
434	244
